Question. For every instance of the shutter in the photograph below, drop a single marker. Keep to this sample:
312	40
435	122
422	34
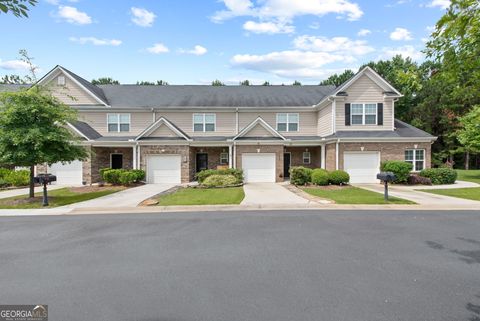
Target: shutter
347	114
380	114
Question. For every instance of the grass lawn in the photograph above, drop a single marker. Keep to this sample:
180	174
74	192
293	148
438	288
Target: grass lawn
469	176
470	193
352	195
58	197
203	196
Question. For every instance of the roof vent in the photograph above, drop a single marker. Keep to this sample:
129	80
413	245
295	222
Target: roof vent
61	81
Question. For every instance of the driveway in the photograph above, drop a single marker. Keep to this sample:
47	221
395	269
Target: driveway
268	266
411	193
269	193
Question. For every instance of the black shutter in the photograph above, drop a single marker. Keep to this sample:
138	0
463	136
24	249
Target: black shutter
380	114
347	114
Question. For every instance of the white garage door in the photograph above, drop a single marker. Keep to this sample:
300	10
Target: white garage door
362	167
68	173
258	168
163	169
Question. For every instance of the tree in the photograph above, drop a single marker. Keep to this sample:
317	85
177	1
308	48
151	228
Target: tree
151	83
469	134
266	83
19	8
12	79
105	81
338	79
217	82
33	130
296	83
245	83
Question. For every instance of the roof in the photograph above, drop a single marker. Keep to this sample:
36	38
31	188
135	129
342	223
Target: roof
85	83
86	130
138	96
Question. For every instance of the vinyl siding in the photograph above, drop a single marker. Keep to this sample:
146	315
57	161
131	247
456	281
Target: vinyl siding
98	121
163	131
71	93
225	123
364	90
258	131
307	122
324	123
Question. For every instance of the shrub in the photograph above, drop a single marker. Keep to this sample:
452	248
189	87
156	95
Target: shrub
18	178
320	176
418	180
102	171
300	175
440	176
112	176
4	172
3	183
401	170
237	173
220	181
127	178
122	176
338	177
139	174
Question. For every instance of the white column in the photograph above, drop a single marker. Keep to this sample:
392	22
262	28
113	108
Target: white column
322	156
134	149
230	156
138	157
336	155
234	156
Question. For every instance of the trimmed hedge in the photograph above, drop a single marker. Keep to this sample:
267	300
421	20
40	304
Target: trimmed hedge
440	176
338	177
4	172
237	173
401	170
320	176
18	178
300	175
220	181
122	176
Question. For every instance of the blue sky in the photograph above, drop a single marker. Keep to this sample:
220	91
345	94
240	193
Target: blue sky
195	42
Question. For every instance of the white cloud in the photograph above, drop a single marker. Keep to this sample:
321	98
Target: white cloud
363	32
73	15
336	44
142	17
443	4
95	41
53	2
404	51
197	50
401	34
287	10
268	27
14	65
158	48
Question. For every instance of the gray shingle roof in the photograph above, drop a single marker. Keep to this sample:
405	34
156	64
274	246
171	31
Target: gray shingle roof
98	92
136	96
86	130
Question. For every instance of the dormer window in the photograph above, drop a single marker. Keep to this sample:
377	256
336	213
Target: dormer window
61	80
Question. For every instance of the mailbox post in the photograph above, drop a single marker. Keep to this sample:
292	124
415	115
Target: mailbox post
45	179
386	177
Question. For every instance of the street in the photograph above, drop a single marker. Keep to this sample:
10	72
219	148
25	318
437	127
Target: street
258	265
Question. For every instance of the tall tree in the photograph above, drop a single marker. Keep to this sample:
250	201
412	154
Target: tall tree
266	83
105	81
338	79
12	79
469	134
245	83
217	82
19	8
151	83
296	83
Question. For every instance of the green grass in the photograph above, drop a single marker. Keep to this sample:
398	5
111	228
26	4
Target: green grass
353	195
470	193
201	196
58	197
469	176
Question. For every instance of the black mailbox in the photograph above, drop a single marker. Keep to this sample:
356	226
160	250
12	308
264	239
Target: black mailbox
386	177
45	179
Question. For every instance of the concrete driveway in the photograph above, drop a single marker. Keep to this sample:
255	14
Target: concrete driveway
270	193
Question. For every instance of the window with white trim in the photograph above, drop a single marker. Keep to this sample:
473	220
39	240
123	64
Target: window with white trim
306	157
416	157
287	122
118	123
204	122
61	81
363	114
223	158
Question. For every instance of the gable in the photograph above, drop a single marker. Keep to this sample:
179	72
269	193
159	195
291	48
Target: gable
258	131
162	131
364	90
70	93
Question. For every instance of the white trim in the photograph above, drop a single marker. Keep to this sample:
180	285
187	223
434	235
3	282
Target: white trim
288	122
337	153
334	115
119	123
77	131
364	114
157	124
263	123
204	122
309	158
228	158
414	160
322	156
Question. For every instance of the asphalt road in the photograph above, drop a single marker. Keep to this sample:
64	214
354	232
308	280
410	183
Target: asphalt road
284	265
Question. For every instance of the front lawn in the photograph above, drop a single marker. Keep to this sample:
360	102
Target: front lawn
203	196
58	197
470	193
469	176
352	195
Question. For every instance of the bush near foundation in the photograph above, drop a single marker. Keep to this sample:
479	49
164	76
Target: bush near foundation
220	181
320	177
122	176
18	178
237	173
300	175
440	176
401	170
338	177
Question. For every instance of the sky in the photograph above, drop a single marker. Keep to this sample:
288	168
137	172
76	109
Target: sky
197	41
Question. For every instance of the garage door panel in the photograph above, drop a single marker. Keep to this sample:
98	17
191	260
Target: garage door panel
362	167
259	168
68	173
164	169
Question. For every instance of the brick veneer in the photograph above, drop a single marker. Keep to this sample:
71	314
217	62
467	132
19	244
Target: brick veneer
277	149
100	158
296	158
183	151
330	157
213	157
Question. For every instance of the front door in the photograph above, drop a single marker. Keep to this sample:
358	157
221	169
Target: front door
117	161
286	165
202	162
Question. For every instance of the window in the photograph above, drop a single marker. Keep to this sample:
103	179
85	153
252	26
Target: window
287	122
223	158
364	114
61	81
203	122
306	157
118	122
416	157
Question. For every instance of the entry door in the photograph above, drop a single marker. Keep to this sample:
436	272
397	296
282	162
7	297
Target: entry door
202	162
286	164
117	161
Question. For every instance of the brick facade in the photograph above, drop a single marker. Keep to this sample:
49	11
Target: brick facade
330	157
213	157
182	150
277	149
296	156
100	158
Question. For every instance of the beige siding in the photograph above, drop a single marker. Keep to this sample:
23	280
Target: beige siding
98	120
324	123
364	90
71	93
163	131
258	131
307	122
225	123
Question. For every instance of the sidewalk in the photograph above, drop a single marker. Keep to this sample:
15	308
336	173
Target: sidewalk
25	191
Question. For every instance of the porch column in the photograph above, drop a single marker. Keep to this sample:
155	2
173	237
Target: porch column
230	156
234	156
134	149
336	154
322	156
